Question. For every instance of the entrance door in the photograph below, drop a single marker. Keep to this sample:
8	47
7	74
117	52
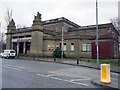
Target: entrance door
27	47
21	47
15	46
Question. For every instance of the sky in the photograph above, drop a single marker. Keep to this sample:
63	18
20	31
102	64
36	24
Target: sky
81	12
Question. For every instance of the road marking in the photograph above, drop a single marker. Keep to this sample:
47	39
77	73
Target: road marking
33	71
80	79
12	68
80	83
17	69
49	76
56	78
23	67
42	75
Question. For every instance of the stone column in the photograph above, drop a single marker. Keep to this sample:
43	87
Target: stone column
8	42
10	29
37	43
37	36
77	48
24	47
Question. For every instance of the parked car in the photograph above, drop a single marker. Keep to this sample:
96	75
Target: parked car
8	54
1	53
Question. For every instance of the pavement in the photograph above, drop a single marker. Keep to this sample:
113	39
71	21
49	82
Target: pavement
114	83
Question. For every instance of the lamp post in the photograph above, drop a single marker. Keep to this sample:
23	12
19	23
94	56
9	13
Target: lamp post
97	43
0	38
62	45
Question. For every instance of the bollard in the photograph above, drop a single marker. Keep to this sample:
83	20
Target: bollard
54	59
105	73
77	61
33	57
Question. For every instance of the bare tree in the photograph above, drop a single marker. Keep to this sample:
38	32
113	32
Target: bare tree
8	16
20	26
2	39
116	23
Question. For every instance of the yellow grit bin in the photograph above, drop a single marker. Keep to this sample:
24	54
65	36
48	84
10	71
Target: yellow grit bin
105	73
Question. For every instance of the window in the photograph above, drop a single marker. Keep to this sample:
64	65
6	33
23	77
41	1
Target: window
28	36
64	47
15	37
86	47
21	36
72	47
12	51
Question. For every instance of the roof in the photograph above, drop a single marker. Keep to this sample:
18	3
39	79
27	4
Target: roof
62	19
91	27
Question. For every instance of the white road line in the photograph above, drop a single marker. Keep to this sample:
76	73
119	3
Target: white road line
80	79
42	75
16	66
76	82
8	65
49	76
80	83
16	69
23	67
12	68
56	78
33	71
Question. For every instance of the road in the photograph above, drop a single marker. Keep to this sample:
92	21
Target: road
39	74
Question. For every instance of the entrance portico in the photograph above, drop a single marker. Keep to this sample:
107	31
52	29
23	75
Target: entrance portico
22	43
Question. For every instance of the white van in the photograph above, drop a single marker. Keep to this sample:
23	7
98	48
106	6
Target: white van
8	54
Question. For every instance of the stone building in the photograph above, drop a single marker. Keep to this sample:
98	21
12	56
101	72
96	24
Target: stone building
43	37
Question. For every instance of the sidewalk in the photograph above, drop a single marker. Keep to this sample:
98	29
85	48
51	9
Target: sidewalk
74	62
115	69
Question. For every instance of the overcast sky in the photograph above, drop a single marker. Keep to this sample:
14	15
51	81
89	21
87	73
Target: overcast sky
81	12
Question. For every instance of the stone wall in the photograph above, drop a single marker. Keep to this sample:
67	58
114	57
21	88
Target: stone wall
77	52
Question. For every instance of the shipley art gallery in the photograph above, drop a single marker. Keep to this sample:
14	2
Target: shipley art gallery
43	37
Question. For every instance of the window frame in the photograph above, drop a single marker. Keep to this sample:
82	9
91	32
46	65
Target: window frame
86	47
64	47
72	47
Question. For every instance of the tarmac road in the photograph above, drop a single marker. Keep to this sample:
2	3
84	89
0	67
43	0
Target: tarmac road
39	74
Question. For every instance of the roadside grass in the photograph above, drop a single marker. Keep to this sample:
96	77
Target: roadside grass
112	62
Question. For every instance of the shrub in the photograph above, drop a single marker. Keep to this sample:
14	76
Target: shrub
57	53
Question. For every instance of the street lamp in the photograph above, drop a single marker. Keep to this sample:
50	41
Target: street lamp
62	45
0	38
97	43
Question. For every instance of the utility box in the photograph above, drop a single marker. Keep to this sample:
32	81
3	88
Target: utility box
105	73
